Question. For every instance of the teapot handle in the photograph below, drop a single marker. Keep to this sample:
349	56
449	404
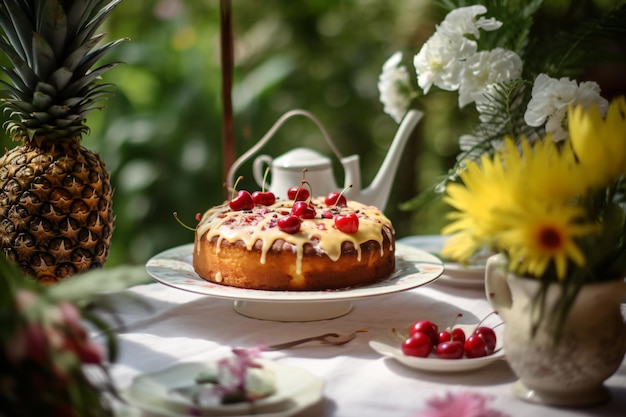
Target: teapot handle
258	171
297	112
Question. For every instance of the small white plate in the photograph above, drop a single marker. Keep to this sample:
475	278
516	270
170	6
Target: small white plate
296	389
454	273
388	344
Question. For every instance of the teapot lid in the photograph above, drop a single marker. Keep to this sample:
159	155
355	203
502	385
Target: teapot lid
300	158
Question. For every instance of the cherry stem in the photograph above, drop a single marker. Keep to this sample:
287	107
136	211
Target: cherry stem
341	193
302	183
267	171
395	332
235	185
454	320
485	318
183	224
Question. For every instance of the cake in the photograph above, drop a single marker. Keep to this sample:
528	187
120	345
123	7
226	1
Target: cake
294	245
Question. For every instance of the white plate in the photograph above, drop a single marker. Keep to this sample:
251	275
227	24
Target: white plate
454	273
388	344
414	268
296	389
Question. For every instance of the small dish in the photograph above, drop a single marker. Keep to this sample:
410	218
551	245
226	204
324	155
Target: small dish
456	274
388	344
154	393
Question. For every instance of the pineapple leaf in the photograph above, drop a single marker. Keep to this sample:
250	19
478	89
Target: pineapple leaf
11	22
88	79
52	25
18	85
43	61
74	59
20	106
61	78
14	92
20	66
90	59
42	101
47	88
57	111
89	28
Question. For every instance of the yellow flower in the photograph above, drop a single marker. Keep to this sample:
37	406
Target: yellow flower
600	144
539	235
475	201
522	202
549	172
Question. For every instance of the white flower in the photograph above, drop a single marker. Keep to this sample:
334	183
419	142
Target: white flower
439	62
394	85
551	98
484	69
462	21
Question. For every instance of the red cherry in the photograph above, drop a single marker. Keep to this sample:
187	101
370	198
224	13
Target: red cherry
303	210
243	201
347	223
298	193
327	214
289	224
418	344
458	334
443	337
489	336
335	198
452	333
428	328
475	347
263	198
449	350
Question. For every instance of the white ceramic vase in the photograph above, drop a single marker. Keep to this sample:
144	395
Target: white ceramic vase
572	372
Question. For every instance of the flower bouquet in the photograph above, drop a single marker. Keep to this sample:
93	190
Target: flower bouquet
542	177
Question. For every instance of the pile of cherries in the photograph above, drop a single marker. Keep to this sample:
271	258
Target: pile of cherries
302	207
451	343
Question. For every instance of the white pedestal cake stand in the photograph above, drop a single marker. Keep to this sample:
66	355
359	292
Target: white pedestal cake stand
414	268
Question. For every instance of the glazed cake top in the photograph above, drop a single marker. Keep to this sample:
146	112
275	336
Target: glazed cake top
261	224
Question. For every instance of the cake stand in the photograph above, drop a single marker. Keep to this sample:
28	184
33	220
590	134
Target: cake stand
414	268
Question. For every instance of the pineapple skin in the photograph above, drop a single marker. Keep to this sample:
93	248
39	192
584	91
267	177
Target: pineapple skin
56	216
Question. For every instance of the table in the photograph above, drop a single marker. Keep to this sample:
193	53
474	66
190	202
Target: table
165	325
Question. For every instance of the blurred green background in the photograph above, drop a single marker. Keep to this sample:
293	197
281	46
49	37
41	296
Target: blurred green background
160	133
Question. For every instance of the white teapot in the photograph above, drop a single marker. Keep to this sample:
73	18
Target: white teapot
287	169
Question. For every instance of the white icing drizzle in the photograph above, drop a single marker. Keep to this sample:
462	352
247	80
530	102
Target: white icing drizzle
260	224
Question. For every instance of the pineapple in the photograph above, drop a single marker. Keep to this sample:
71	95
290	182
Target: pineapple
56	215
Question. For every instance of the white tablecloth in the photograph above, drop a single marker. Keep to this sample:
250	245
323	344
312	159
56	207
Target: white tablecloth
165	325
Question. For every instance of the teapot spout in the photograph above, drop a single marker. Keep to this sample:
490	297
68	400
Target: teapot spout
377	194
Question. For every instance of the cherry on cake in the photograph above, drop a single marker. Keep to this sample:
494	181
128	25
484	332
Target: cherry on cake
322	243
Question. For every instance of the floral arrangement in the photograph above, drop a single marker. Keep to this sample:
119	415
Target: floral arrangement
48	364
542	178
519	84
556	210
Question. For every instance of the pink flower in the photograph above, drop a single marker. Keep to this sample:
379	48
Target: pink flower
463	404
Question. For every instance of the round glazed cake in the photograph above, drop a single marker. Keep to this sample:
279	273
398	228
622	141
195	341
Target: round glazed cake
273	248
